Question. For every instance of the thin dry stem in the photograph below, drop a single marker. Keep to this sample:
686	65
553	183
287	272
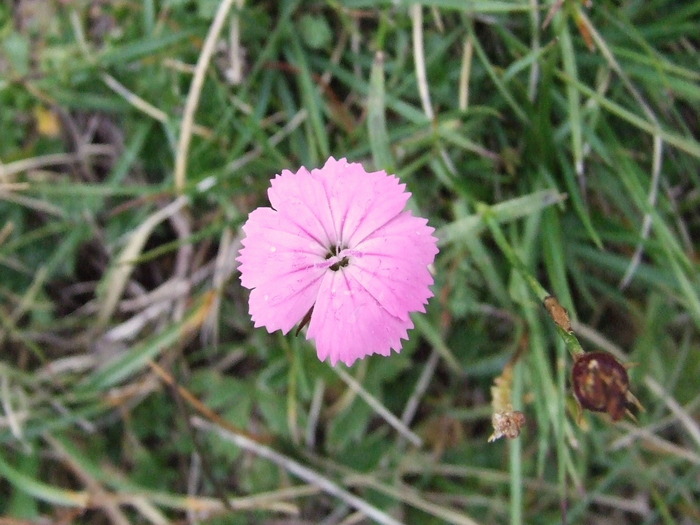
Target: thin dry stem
99	496
224	267
465	73
408	495
676	409
33	204
125	264
201	408
12	417
182	225
380	409
146	107
426	375
235	70
56	159
419	60
297	469
183	144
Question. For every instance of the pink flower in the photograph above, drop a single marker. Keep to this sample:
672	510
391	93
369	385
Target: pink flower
338	240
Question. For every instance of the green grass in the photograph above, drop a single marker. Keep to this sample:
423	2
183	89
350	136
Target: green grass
133	144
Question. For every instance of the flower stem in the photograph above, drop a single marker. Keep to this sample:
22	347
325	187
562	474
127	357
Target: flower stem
515	453
486	212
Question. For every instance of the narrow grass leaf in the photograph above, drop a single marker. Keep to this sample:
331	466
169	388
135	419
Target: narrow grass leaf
577	199
311	97
495	78
572	94
554	255
135	359
141	48
40	490
686	144
376	119
502	212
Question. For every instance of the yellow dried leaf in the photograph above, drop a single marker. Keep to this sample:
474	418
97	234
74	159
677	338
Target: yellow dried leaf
47	123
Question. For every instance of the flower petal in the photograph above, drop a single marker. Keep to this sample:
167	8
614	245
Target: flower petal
274	247
283	266
360	201
348	323
393	264
276	307
301	198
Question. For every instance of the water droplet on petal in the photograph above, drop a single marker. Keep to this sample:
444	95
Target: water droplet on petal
273	249
266	297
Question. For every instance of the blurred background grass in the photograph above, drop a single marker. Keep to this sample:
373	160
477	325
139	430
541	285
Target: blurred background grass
135	137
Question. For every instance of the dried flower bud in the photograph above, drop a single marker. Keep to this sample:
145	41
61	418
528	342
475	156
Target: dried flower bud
601	384
558	313
507	423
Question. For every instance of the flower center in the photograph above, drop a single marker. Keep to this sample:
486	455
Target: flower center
340	262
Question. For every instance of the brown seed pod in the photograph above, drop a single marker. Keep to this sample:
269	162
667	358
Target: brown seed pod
601	384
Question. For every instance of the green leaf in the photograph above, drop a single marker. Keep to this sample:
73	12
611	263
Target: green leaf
376	119
502	212
16	47
42	491
315	31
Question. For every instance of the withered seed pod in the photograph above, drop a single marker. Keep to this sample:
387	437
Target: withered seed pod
601	384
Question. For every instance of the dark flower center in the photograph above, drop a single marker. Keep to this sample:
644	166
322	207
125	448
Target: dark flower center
335	252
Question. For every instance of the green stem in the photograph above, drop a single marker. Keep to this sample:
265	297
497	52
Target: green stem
515	452
572	343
